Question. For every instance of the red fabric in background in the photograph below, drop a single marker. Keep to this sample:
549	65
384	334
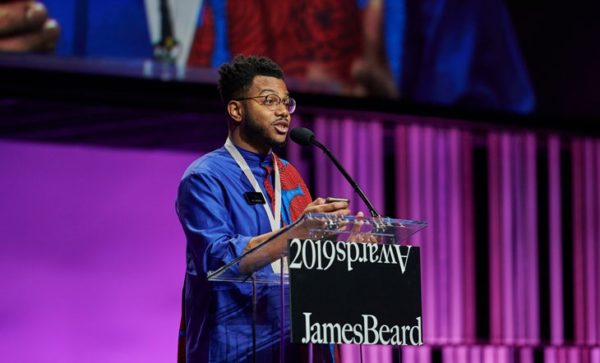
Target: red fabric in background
307	38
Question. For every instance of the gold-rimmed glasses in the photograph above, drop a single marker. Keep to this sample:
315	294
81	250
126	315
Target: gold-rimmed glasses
272	101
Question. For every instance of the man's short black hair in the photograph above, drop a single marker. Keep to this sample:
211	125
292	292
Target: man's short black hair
236	77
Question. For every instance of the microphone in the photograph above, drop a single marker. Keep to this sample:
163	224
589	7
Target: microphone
305	137
302	136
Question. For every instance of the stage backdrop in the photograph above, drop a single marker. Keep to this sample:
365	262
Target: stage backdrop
92	256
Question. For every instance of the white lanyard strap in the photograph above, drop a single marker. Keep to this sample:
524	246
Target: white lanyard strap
275	221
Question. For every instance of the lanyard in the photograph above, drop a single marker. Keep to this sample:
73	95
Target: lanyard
275	221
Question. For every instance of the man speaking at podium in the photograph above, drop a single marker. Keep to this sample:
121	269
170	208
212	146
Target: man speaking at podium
231	200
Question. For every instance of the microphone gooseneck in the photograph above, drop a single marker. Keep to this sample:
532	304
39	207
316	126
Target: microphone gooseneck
306	137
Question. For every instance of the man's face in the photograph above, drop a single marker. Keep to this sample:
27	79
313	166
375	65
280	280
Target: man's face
265	127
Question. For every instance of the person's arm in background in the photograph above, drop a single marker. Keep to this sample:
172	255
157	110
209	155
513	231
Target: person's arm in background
26	27
371	71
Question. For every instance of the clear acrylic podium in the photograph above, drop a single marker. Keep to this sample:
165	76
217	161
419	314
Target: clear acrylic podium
262	272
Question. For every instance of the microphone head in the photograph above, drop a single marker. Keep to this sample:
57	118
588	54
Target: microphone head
302	136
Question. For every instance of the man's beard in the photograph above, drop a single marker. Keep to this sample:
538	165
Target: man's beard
257	135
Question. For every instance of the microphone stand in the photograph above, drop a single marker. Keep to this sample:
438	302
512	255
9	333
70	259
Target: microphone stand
353	183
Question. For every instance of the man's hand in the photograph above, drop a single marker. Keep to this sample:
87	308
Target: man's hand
320	205
277	247
26	27
356	235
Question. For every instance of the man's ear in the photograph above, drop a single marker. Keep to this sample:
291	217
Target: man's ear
235	110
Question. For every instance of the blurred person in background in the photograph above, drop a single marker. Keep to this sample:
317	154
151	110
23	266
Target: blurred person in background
460	53
445	52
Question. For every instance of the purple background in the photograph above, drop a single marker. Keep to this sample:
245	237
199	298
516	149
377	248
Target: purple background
91	254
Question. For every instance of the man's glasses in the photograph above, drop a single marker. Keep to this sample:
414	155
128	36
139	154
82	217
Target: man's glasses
272	101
